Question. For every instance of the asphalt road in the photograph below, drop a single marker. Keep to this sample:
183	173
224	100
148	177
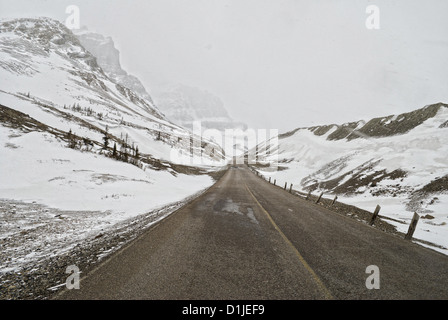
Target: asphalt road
247	239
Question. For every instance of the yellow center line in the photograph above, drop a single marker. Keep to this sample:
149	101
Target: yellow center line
316	278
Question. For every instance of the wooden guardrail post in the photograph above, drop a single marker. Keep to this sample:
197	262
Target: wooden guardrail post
290	188
284	188
275	181
334	200
320	196
412	226
308	195
375	214
269	179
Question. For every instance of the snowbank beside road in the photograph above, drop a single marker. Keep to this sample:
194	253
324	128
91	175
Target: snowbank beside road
39	172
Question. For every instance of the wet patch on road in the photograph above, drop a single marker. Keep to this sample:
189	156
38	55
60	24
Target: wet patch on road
228	206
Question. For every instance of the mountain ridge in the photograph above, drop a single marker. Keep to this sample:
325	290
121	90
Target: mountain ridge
108	57
375	127
47	65
397	161
182	104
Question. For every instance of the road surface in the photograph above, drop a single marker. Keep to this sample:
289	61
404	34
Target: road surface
247	239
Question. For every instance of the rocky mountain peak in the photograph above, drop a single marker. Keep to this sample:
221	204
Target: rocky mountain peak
108	57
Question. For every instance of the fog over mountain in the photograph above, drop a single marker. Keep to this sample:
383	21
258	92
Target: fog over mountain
277	64
182	104
108	57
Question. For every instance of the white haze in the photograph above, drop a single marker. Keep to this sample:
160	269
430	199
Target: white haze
277	64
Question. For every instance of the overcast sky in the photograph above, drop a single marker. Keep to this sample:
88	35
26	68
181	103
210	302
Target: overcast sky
277	63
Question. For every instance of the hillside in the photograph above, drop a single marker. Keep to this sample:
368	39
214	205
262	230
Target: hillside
81	152
47	66
397	161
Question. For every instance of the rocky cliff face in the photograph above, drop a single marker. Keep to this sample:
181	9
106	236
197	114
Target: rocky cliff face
378	127
108	57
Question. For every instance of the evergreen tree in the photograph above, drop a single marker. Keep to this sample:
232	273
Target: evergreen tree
114	151
71	140
106	138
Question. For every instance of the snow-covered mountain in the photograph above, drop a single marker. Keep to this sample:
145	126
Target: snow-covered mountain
46	67
75	138
180	103
108	58
191	107
399	162
185	104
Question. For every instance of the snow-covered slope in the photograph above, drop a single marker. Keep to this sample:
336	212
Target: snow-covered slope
46	67
69	136
398	161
